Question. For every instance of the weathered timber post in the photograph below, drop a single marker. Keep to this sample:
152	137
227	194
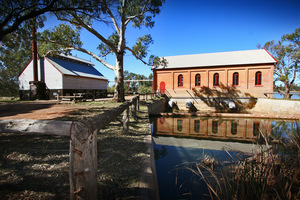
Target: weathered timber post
126	121
138	102
83	160
83	153
133	108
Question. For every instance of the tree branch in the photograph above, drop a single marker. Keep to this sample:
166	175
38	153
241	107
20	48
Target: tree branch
67	47
94	32
134	54
294	75
113	20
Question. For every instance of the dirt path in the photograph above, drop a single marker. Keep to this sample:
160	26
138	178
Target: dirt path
35	110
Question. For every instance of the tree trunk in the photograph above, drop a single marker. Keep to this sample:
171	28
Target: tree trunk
287	94
119	80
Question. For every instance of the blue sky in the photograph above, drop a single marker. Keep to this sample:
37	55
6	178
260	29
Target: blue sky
205	26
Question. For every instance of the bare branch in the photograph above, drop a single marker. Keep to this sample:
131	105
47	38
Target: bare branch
113	20
67	47
294	75
94	32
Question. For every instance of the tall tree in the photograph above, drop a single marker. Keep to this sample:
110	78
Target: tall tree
16	19
15	53
287	53
118	14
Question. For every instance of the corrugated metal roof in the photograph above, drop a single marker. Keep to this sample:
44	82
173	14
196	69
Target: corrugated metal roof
259	56
69	57
69	66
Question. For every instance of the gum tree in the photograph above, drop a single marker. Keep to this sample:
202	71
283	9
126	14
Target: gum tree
14	13
287	53
118	14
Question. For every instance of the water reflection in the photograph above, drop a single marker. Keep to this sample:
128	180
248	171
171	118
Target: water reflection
235	129
178	142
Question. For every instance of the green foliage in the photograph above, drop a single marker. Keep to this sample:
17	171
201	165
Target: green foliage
156	61
104	49
141	86
287	53
58	39
141	46
111	89
84	15
144	89
15	13
15	54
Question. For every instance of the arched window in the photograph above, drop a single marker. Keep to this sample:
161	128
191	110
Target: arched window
258	78
214	127
255	128
179	125
235	79
197	80
180	80
216	79
234	126
197	125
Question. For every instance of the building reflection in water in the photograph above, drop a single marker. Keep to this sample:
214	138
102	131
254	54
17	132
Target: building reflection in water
240	129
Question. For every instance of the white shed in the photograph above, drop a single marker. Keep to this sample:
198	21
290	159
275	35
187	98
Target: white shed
64	75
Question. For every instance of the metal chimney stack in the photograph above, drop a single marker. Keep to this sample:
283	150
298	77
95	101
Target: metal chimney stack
34	53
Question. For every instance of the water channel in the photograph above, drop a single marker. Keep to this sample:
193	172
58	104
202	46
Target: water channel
182	142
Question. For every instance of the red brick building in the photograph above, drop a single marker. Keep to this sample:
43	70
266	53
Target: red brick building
249	71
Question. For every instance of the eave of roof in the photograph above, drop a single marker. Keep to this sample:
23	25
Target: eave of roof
71	67
259	56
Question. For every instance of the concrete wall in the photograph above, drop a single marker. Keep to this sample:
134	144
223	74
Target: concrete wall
277	107
262	106
157	107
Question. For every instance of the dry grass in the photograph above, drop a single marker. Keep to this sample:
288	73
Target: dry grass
36	167
271	173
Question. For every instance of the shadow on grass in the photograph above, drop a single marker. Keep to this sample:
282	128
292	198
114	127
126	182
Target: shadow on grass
11	109
37	167
120	160
33	167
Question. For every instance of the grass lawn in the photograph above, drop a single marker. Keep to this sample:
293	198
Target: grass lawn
36	167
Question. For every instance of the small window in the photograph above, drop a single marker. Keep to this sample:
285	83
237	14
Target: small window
179	125
180	80
197	126
216	79
235	79
255	128
197	80
234	126
215	127
258	77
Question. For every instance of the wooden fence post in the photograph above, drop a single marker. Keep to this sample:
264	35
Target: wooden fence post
133	109
83	160
138	102
126	121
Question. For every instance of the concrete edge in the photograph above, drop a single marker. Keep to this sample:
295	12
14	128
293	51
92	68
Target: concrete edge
234	115
148	183
148	180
